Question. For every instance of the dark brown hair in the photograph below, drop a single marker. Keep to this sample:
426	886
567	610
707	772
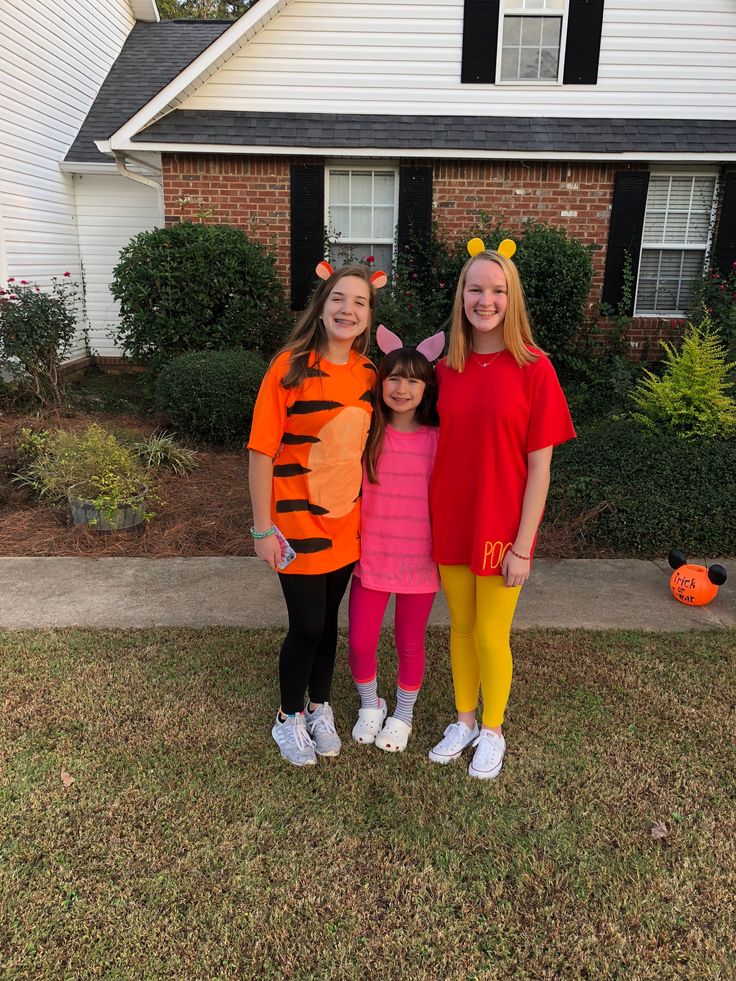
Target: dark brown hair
408	363
309	333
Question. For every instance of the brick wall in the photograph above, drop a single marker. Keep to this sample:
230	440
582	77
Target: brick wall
253	192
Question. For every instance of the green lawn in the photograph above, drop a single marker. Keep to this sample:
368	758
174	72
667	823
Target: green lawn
187	849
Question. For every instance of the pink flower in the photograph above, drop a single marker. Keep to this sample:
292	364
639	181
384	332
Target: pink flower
2	292
24	282
442	286
12	297
722	286
414	276
67	274
11	279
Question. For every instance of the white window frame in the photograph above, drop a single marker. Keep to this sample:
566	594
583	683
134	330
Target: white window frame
377	166
704	247
512	8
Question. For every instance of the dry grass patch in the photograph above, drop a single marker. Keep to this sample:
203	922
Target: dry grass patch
185	848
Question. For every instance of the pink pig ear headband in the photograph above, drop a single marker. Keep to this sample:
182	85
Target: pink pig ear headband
431	347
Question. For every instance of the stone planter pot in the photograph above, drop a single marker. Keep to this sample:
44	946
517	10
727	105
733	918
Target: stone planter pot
126	518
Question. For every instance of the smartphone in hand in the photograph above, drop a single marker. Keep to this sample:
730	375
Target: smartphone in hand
287	552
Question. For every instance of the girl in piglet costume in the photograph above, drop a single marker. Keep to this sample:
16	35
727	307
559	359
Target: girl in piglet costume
396	541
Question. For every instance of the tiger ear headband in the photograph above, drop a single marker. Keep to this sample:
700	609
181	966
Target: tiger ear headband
324	270
476	245
431	347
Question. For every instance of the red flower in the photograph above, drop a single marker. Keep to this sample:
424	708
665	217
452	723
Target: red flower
722	286
24	282
67	274
371	258
2	292
11	279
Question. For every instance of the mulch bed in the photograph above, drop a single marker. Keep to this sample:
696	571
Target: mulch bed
206	512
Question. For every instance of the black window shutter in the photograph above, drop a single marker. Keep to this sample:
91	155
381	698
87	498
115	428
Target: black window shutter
480	37
725	250
415	204
583	48
624	233
307	229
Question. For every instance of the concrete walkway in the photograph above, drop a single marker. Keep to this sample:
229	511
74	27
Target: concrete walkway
202	592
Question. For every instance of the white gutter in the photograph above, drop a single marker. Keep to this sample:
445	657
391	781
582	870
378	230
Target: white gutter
444	153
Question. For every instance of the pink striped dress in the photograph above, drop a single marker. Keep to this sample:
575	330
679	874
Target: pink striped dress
395	530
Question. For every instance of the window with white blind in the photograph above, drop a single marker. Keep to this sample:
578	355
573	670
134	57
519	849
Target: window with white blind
531	40
362	208
677	225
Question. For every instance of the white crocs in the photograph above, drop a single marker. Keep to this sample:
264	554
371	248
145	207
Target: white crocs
394	736
369	723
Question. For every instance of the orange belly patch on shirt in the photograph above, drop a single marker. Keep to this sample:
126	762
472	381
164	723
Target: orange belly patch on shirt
334	481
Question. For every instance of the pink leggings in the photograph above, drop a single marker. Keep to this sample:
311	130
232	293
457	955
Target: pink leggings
366	610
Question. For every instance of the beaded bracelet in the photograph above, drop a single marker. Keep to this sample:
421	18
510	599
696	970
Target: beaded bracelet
526	558
263	534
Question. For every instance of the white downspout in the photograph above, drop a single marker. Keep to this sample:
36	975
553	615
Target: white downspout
141	179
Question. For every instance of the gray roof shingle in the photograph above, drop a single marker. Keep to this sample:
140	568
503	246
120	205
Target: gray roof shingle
511	133
152	56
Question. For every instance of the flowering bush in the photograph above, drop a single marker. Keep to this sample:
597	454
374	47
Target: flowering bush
36	331
716	295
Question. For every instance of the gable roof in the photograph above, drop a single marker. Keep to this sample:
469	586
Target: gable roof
151	57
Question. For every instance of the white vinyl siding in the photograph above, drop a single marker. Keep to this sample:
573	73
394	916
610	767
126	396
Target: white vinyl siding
110	210
677	225
54	59
659	59
362	205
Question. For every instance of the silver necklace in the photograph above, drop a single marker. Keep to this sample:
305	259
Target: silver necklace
484	364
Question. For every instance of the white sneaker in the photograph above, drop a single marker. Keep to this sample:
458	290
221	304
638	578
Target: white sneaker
457	737
370	722
488	757
321	728
293	740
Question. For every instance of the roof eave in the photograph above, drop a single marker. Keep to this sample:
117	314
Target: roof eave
145	10
706	157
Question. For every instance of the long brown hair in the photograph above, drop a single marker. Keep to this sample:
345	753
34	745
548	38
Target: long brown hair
408	363
517	331
309	333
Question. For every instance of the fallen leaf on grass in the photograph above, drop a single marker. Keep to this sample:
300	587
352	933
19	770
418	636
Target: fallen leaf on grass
658	830
66	778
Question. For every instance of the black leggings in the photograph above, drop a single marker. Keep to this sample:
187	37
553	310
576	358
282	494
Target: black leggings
307	657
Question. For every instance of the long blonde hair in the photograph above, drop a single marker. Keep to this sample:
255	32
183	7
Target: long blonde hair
517	331
309	333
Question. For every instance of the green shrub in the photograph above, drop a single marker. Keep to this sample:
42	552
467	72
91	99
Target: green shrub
715	294
103	470
197	287
161	450
209	395
652	491
36	333
556	272
691	397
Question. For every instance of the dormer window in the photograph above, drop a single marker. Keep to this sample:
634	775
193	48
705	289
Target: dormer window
531	40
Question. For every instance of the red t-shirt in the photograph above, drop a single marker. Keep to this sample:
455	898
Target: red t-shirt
490	419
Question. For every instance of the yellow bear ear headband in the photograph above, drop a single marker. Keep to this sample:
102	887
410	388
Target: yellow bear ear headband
506	248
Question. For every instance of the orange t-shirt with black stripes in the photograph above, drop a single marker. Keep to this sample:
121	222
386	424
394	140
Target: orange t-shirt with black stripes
316	434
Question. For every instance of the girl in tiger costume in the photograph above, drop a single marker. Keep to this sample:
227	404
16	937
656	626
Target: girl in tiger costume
310	425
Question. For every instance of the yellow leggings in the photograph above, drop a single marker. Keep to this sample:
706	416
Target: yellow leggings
481	611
